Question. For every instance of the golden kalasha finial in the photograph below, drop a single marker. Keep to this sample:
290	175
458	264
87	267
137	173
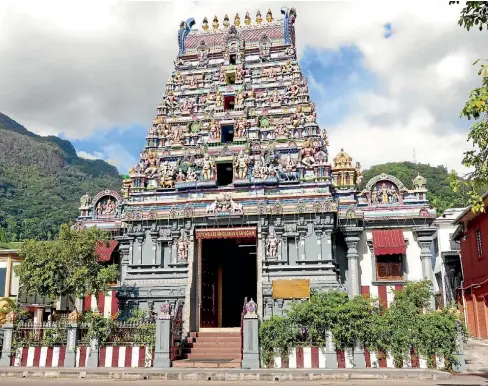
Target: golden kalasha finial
205	24
215	23
269	16
237	20
259	19
247	19
226	22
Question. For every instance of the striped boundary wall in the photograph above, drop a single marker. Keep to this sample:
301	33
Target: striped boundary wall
110	356
315	358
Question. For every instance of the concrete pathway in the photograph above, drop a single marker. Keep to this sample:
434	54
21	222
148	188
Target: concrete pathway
476	353
458	381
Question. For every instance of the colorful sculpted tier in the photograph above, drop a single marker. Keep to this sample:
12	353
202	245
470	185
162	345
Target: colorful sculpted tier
236	111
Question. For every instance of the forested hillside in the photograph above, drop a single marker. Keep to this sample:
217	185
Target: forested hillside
440	193
42	180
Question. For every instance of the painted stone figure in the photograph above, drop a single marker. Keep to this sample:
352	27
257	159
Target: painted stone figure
85	200
272	244
241	163
182	249
207	167
307	154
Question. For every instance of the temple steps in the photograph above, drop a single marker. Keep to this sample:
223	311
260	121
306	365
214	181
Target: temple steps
212	349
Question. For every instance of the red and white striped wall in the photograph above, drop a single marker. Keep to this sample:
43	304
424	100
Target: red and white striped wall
383	292
39	357
108	357
315	358
108	304
117	356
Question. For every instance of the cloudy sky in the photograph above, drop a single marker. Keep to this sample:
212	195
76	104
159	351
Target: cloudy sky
389	78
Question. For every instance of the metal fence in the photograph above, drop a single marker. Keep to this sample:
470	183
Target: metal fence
28	334
121	334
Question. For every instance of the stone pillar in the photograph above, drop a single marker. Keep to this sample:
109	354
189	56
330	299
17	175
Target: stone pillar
70	356
8	330
92	360
352	240
162	350
320	235
327	245
302	232
250	349
425	238
330	352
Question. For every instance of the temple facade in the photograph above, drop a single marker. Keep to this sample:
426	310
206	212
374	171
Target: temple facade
235	195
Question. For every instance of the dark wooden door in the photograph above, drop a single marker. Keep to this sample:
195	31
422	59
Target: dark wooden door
209	292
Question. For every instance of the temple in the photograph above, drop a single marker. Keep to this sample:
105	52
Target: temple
235	195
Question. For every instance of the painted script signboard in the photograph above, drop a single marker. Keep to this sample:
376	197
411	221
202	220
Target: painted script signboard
291	289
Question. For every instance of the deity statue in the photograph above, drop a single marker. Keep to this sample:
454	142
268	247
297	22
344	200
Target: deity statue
359	174
182	249
105	208
289	164
85	200
292	90
287	67
203	55
240	98
241	163
307	153
170	101
178	134
276	98
151	165
272	244
179	79
258	170
214	129
207	167
191	175
219	100
180	177
240	126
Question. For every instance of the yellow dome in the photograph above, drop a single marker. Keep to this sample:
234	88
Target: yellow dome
342	160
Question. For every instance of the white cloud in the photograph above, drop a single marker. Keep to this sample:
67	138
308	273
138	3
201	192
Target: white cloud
89	66
86	155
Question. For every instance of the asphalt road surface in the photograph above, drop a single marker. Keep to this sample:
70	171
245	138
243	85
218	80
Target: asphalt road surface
453	381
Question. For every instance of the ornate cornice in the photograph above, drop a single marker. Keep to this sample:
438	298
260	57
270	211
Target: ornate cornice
384	176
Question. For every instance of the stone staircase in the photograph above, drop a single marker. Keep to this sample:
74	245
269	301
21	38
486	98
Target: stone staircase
212	349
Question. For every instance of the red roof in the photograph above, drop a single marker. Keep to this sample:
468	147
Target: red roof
104	249
388	242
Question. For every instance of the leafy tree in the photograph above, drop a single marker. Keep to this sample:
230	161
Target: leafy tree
475	13
65	266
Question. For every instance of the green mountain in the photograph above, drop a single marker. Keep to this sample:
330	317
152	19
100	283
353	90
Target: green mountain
440	194
42	180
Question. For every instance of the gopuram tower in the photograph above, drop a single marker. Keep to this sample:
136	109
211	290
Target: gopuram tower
234	196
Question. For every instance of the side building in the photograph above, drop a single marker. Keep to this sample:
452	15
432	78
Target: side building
234	195
472	233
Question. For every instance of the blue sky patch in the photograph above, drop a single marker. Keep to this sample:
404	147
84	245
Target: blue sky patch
388	30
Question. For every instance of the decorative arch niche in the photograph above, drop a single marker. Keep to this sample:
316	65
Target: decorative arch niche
385	189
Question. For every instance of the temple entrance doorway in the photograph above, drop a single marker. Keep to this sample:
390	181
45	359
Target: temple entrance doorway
228	275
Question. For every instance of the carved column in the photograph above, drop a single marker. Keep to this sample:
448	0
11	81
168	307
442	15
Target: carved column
352	240
327	245
154	238
319	232
425	238
302	232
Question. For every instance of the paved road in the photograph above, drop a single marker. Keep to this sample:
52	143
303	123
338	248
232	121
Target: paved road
453	381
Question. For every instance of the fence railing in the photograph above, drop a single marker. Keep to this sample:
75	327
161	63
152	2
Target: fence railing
131	334
40	334
177	332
